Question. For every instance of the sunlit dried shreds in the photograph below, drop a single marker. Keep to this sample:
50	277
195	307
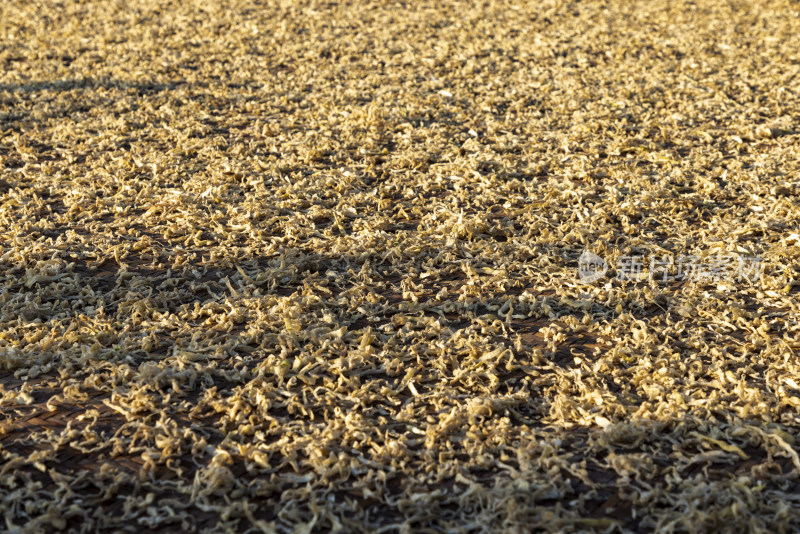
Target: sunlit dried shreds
313	266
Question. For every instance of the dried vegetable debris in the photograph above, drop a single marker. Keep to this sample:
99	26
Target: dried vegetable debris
312	266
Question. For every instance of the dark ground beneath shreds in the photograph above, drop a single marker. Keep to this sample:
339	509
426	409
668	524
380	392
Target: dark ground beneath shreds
313	266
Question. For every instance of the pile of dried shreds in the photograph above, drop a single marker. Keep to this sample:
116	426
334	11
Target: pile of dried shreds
313	266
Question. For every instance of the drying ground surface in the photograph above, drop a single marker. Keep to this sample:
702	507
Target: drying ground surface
313	266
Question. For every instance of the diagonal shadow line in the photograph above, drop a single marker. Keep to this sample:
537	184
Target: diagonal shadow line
70	84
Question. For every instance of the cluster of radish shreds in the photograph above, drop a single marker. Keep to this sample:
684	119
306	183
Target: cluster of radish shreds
312	266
